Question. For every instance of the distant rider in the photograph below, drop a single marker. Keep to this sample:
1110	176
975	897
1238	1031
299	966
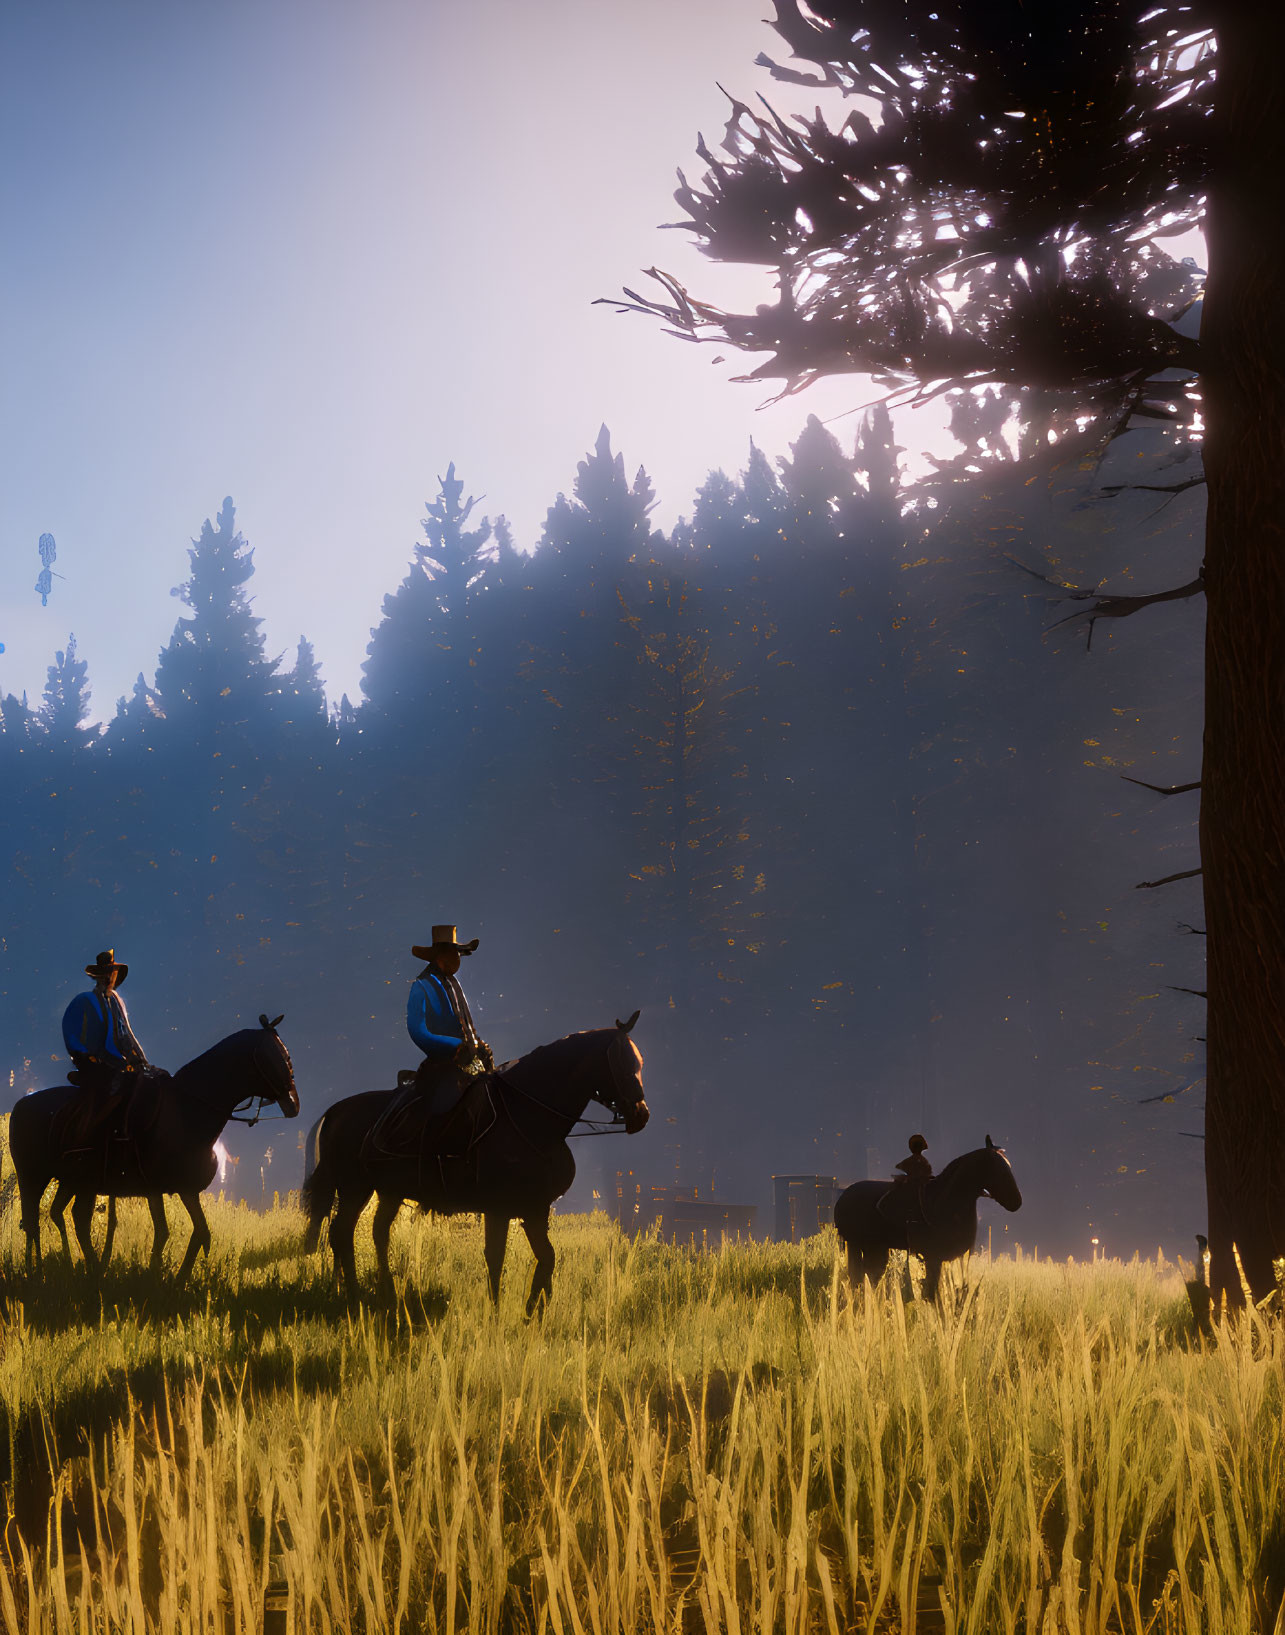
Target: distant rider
439	1021
905	1200
107	1057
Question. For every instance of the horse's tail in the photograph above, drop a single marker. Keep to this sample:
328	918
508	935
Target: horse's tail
29	1154
318	1192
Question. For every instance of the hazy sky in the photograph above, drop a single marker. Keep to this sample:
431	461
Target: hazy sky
306	254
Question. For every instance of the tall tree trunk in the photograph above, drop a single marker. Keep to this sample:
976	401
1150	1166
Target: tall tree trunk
1242	818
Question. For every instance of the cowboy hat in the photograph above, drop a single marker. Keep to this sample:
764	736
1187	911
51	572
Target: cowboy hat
444	937
107	961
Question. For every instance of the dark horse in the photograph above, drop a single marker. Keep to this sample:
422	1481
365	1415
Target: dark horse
172	1148
948	1229
515	1163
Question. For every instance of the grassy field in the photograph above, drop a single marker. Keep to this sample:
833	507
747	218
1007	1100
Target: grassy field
722	1441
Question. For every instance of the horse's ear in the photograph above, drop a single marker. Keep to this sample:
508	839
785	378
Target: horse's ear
264	1023
625	1026
990	1145
277	1020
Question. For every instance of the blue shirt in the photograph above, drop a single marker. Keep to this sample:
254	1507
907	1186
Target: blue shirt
96	1026
431	1019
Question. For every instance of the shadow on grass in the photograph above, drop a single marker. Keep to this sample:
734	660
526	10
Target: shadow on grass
62	1297
261	1357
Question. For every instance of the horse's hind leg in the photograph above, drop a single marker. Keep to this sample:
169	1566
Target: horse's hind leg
537	1232
57	1214
342	1226
385	1214
872	1264
111	1228
82	1218
160	1230
497	1240
30	1193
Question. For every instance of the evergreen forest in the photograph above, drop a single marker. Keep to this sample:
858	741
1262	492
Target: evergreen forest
832	780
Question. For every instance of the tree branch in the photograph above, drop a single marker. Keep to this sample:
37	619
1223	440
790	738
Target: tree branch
1154	488
1187	874
1173	789
1110	607
1200	993
1191	930
1169	1095
1120	607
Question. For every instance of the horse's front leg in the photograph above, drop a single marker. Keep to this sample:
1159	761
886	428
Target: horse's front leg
200	1238
57	1213
82	1218
537	1234
932	1278
497	1239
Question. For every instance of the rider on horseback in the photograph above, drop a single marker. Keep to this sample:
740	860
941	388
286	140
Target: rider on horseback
905	1200
439	1021
108	1059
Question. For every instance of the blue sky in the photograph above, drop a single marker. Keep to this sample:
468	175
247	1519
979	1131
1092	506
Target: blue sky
306	255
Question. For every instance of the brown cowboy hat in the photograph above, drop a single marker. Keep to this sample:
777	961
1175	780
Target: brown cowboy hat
444	937
107	961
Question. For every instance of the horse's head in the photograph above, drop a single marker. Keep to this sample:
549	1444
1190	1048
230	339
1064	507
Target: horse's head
273	1065
625	1098
998	1181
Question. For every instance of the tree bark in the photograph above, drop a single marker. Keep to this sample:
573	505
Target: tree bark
1242	818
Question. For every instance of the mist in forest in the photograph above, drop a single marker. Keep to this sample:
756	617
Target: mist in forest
829	780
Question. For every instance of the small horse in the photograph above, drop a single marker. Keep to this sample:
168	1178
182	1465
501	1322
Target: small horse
173	1151
948	1229
516	1163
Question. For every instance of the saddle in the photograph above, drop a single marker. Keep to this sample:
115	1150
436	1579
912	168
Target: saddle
134	1114
903	1204
468	1121
415	1132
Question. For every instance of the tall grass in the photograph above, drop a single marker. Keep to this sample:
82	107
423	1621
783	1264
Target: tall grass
687	1441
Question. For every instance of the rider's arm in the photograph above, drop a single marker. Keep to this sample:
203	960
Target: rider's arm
83	1032
430	1020
122	1039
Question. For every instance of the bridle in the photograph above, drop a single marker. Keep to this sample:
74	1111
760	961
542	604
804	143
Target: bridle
616	1125
240	1114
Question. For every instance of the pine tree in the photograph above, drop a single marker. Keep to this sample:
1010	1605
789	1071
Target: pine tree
1002	226
66	700
302	692
591	536
419	656
213	670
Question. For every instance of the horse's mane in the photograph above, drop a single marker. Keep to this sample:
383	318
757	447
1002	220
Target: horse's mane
963	1158
246	1044
551	1056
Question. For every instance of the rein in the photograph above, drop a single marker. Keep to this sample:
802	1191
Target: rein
597	1126
240	1113
236	1116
